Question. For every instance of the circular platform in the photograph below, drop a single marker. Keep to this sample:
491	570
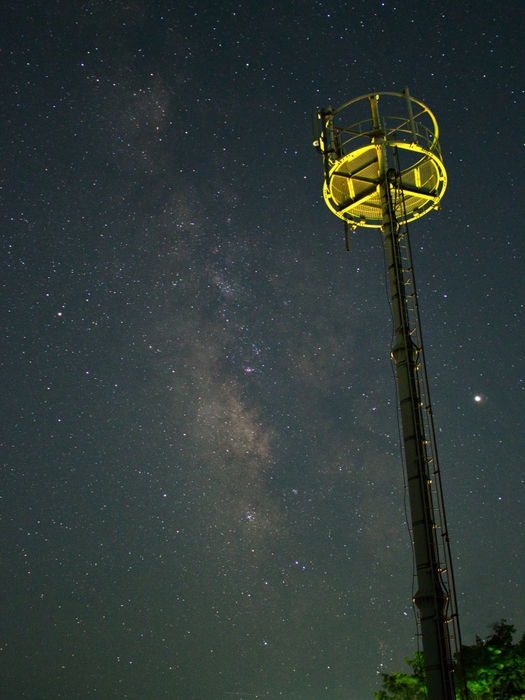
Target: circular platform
358	153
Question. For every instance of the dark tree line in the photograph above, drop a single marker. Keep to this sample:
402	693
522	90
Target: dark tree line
494	669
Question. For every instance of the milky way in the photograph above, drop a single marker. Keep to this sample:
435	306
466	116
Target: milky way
203	491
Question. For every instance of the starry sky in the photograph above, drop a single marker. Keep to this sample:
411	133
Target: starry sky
202	489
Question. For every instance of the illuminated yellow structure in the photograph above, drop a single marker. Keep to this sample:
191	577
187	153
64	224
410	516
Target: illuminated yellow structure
384	172
353	163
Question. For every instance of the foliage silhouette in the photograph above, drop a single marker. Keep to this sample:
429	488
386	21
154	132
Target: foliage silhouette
494	669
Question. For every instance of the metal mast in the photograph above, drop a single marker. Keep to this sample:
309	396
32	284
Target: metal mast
383	173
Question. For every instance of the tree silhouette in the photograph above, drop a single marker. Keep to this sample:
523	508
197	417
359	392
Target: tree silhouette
494	669
402	686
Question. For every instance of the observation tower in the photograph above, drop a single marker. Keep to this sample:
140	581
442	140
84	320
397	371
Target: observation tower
383	169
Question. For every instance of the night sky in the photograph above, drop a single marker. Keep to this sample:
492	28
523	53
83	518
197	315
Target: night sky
202	488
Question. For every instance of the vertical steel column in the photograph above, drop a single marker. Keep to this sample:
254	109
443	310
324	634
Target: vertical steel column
430	597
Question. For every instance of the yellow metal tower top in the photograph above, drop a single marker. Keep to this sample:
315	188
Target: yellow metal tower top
356	157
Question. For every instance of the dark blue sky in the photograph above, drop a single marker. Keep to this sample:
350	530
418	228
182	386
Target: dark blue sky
202	492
